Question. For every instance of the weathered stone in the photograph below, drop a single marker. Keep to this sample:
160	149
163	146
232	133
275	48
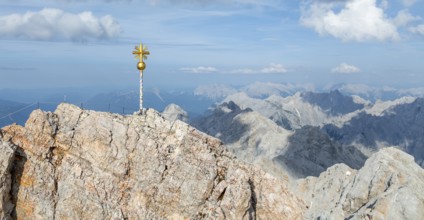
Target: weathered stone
6	157
389	186
79	164
174	112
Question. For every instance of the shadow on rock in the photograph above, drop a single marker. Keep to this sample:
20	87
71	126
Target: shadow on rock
400	126
310	152
17	170
220	123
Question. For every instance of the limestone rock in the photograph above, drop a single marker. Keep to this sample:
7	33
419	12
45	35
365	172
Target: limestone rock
79	164
310	152
7	152
389	186
174	112
256	139
252	137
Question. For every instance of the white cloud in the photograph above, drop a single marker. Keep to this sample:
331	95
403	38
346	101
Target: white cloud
404	17
345	68
200	69
55	24
272	68
357	20
269	3
243	71
384	4
417	29
408	2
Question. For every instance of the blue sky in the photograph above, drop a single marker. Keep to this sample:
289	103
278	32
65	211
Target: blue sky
68	43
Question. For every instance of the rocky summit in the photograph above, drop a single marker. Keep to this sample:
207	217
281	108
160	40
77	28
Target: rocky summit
390	186
81	164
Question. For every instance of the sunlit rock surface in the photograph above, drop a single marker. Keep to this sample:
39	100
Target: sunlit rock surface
79	164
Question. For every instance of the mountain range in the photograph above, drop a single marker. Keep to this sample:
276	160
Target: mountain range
243	116
82	164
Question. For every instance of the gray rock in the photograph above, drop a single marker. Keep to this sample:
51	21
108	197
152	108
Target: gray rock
256	139
252	137
173	112
389	186
400	126
310	152
79	164
6	157
333	102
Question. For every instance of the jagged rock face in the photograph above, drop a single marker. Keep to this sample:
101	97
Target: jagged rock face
310	152
290	113
252	137
389	186
75	164
333	103
399	125
6	157
174	112
256	139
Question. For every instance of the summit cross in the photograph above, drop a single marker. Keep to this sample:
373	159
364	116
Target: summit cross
141	53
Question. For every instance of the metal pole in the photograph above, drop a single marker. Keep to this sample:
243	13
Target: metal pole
141	91
141	53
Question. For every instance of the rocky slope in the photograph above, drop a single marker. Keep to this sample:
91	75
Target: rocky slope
256	139
80	164
310	152
252	137
7	152
302	109
397	125
333	102
174	112
349	121
390	186
290	112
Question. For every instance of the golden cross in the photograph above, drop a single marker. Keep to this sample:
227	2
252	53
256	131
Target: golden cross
141	52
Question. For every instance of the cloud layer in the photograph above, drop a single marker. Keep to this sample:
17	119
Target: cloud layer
55	24
270	69
200	69
408	2
418	29
357	20
345	68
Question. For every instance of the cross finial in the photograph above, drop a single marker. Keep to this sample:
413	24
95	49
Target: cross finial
141	52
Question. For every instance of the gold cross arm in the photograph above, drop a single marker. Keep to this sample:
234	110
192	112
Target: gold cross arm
141	52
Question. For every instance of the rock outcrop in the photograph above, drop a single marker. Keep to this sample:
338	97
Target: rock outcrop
7	152
333	102
79	164
310	152
256	139
398	125
174	112
252	137
389	186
